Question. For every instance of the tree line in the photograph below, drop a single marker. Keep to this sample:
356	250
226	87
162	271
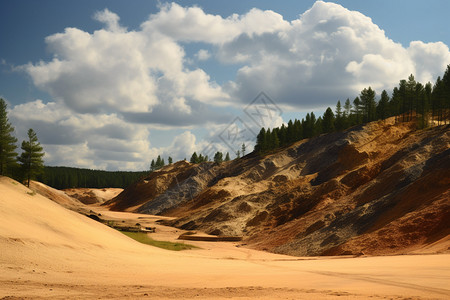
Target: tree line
29	163
67	177
411	101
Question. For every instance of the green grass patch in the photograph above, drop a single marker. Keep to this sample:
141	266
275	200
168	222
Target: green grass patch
143	238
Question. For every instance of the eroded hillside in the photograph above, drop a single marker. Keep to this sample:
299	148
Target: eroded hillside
381	188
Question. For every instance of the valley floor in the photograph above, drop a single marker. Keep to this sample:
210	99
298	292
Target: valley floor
219	270
48	252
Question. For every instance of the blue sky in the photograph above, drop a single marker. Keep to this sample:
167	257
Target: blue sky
193	72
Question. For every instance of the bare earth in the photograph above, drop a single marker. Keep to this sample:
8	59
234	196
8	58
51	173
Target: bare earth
47	251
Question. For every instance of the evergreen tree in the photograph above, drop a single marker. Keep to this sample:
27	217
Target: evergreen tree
308	127
7	141
238	154
368	104
194	158
261	142
446	95
328	121
31	157
152	165
298	130
282	135
410	97
339	122
347	108
218	157
243	149
169	160
437	100
402	99
382	107
290	132
275	141
316	130
227	157
357	111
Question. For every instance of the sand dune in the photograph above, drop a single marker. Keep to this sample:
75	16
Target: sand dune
47	251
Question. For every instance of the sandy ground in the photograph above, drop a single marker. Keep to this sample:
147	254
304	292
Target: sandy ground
47	251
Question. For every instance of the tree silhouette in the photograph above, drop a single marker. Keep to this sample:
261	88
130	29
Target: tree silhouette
7	141
31	157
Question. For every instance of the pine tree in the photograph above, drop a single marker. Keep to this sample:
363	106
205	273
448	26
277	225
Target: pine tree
339	120
410	97
152	165
347	108
7	141
261	142
194	158
227	157
282	135
243	149
446	95
357	111
368	104
298	130
275	141
382	107
169	160
328	121
31	157
218	157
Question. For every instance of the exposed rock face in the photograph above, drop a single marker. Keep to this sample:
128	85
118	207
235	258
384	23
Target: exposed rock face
382	188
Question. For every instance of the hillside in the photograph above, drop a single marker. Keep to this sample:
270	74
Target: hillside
381	188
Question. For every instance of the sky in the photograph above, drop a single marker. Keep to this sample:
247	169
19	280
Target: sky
111	84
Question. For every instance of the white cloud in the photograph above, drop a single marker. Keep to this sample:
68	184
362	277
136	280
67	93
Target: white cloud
110	19
203	54
193	24
329	53
111	87
114	70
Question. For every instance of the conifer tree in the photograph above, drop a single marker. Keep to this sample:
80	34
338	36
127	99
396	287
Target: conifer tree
7	141
218	157
243	149
31	157
261	145
339	117
152	165
275	141
194	158
227	157
169	160
368	104
347	108
357	111
382	107
283	135
328	121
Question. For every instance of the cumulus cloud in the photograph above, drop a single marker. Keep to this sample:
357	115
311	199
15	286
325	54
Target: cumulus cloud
328	53
114	70
113	86
203	54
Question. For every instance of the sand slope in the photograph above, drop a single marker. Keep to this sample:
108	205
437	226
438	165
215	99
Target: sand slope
93	196
47	251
